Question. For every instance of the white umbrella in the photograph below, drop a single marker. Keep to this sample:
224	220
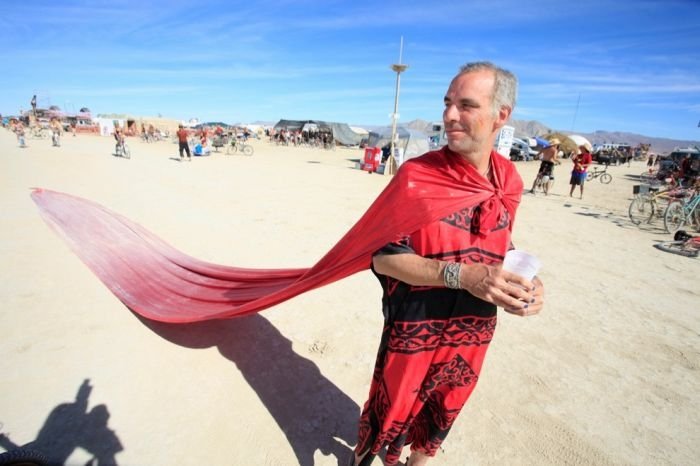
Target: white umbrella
581	141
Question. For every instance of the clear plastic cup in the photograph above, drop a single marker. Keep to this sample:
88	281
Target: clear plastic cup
521	263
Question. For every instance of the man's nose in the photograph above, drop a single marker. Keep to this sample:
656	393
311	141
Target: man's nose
450	113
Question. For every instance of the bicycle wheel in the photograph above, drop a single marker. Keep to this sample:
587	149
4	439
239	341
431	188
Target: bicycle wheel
645	177
605	178
678	247
694	218
127	152
23	457
641	210
231	149
589	176
674	217
247	150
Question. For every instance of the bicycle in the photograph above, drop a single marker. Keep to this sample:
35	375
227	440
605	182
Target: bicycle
16	455
603	175
37	132
56	139
239	146
683	244
678	213
122	150
646	205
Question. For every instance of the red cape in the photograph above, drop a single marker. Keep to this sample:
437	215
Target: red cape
160	283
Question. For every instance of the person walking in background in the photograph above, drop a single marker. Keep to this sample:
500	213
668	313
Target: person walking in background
578	175
442	283
184	146
650	162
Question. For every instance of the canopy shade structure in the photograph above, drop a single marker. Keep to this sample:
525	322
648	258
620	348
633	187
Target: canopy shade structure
342	133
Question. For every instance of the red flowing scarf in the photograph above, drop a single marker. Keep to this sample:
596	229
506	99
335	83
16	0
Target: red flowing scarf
160	283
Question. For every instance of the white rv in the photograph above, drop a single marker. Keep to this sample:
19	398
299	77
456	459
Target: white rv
436	134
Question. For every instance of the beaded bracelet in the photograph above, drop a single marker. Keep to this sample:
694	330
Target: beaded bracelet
451	275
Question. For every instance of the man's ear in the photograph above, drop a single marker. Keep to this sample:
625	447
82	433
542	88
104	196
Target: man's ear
502	117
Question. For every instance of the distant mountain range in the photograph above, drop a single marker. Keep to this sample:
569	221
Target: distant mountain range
535	128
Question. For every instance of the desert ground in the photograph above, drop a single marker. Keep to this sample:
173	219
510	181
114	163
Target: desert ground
608	373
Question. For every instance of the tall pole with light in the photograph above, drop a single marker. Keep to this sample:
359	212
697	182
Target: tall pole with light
398	68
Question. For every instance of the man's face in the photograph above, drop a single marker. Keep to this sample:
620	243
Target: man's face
469	122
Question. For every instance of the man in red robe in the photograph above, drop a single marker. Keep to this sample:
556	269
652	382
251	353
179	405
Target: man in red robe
436	238
443	282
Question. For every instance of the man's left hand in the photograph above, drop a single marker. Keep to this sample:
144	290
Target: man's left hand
535	306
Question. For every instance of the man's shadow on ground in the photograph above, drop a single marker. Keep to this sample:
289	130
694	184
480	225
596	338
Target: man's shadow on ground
70	426
311	411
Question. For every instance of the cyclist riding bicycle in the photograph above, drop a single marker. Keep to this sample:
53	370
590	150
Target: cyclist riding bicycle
56	131
545	176
119	137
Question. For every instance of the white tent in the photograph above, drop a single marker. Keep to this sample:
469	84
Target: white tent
360	131
107	124
410	143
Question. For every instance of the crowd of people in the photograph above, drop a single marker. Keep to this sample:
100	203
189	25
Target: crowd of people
153	134
315	137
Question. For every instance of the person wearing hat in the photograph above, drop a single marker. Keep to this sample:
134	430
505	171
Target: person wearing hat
581	162
549	157
182	136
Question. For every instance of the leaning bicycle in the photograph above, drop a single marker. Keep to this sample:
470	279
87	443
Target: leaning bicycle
235	146
680	213
649	203
602	175
38	132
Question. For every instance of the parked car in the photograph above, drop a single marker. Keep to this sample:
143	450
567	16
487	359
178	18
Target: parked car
611	154
521	150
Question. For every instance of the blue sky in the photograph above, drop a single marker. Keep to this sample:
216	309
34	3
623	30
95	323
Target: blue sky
586	65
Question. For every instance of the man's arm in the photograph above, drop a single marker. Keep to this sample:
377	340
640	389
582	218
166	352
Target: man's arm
490	283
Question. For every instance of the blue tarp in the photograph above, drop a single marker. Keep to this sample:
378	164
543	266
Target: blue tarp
541	142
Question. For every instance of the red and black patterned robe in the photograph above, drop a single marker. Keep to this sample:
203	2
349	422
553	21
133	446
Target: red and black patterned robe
434	339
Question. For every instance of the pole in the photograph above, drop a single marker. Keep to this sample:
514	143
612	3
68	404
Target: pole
398	68
573	124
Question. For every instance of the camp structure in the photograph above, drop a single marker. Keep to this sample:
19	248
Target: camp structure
132	124
81	122
410	143
342	133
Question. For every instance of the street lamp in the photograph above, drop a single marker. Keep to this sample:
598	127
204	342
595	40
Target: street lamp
398	68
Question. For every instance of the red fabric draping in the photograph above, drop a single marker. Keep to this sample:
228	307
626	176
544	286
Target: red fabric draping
160	283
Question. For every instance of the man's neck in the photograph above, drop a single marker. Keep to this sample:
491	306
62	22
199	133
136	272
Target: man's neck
479	160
